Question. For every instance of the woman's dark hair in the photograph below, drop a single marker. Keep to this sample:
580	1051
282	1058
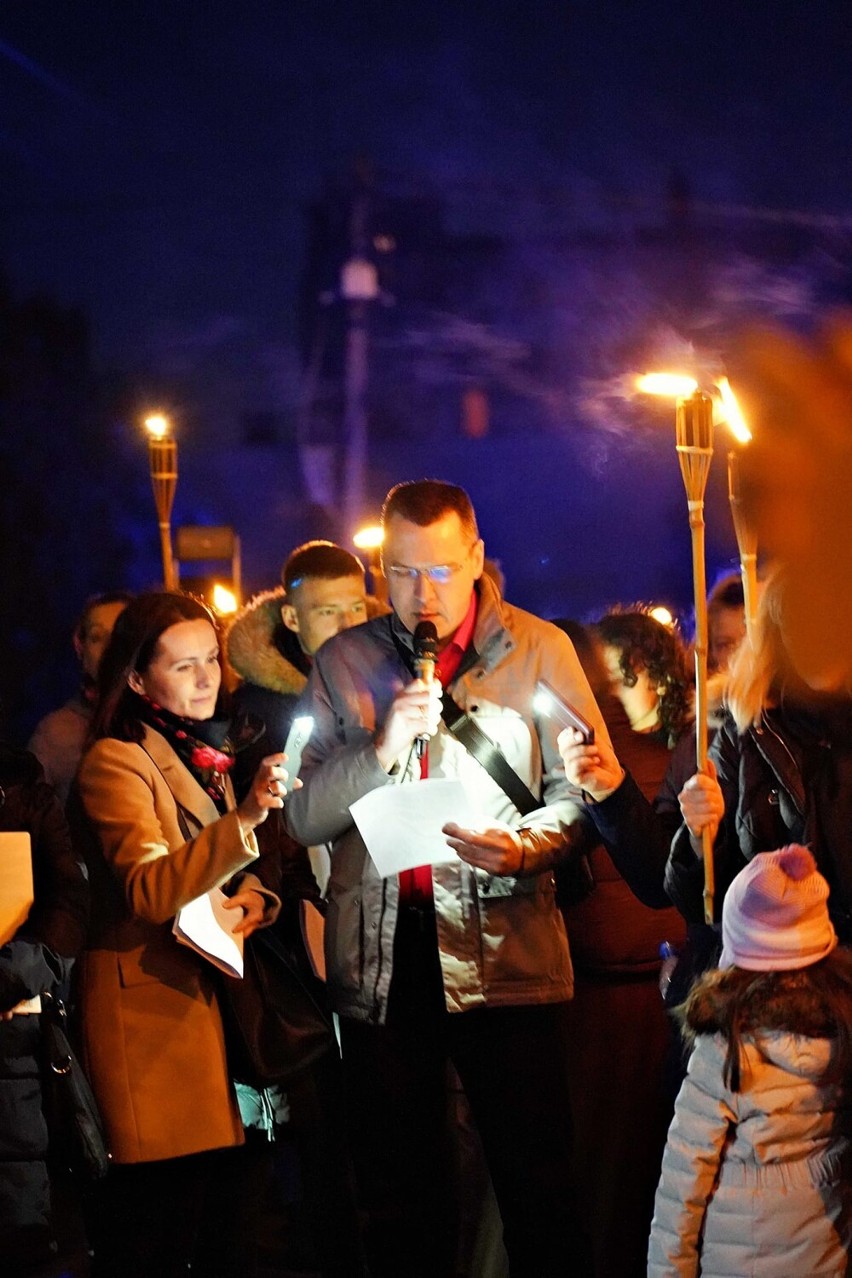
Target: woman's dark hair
727	593
643	643
814	1001
132	646
98	601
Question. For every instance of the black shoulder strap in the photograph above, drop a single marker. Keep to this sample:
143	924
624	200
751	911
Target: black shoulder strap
488	755
482	748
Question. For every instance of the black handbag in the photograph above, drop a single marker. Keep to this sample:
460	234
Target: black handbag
74	1123
275	1020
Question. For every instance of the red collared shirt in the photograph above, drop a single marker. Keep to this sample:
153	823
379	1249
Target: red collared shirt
415	886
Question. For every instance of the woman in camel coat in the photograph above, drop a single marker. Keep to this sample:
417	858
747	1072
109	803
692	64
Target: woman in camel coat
159	827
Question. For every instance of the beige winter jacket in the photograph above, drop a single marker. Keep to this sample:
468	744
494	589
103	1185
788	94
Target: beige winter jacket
501	938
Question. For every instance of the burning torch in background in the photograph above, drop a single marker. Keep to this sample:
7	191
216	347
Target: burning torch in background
745	531
162	456
694	445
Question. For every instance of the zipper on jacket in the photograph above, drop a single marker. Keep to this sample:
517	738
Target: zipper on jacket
796	769
375	1012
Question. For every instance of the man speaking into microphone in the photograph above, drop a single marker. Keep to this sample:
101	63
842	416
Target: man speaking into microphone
465	961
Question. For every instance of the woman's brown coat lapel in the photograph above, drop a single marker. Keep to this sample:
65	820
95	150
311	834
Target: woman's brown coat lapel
184	788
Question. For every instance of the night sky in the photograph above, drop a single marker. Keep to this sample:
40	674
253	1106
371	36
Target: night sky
156	157
157	161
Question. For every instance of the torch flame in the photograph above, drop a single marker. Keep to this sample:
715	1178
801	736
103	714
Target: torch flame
732	413
369	538
675	385
157	426
224	600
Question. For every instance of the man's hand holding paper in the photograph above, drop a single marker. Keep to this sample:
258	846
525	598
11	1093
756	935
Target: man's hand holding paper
494	846
403	825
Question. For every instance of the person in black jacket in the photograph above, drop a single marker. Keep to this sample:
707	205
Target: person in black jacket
37	958
780	767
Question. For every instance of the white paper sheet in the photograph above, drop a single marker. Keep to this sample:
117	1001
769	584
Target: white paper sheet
206	927
16	882
401	824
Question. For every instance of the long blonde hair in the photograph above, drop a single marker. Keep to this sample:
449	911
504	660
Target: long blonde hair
761	663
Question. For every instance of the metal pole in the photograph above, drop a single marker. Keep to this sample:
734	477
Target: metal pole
359	287
355	416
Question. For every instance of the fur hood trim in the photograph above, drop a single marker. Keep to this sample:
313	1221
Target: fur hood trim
252	648
776	1001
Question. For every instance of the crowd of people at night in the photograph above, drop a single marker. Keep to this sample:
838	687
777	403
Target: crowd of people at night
529	1053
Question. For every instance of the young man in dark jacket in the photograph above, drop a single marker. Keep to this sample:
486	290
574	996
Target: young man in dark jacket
271	643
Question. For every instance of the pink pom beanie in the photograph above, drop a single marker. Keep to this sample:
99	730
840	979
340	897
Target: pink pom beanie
775	914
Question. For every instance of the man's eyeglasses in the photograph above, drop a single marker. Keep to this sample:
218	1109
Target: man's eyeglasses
440	574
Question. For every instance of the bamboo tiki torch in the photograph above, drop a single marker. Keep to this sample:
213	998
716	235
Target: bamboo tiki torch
694	439
162	456
746	541
746	534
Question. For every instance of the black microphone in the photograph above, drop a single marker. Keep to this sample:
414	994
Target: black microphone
425	656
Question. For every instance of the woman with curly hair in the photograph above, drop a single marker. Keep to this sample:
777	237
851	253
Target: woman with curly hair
753	1177
647	664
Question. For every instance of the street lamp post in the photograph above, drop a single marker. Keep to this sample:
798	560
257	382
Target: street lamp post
162	457
369	541
359	286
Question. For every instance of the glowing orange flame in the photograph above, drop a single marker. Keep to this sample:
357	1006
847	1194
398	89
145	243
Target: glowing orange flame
224	600
368	538
157	426
674	385
732	413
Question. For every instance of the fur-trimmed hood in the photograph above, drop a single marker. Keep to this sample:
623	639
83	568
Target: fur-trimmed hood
793	1002
257	642
264	652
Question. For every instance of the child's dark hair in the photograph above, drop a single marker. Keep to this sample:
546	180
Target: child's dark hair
814	1001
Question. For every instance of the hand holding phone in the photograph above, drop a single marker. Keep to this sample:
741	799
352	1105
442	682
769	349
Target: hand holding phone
297	738
547	701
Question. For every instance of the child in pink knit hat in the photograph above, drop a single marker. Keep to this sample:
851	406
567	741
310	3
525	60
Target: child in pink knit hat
755	1172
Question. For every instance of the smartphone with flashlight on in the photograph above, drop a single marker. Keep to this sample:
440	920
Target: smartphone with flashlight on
547	701
297	739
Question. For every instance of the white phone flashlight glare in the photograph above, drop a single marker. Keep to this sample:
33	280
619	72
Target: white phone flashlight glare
547	702
297	739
